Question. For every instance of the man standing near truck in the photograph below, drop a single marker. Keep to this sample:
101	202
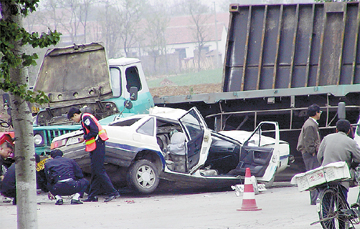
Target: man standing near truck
309	142
95	137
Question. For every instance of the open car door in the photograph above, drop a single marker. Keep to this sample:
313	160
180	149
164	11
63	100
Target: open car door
199	139
261	157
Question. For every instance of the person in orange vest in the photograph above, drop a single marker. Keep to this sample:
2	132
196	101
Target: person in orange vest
95	137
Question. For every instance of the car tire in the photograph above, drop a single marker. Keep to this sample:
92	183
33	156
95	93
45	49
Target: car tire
143	176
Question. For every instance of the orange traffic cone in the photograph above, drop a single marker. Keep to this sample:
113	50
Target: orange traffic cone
248	203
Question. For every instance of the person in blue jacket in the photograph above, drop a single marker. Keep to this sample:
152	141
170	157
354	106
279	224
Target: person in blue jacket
64	177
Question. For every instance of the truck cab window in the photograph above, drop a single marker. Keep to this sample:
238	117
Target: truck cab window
115	75
132	78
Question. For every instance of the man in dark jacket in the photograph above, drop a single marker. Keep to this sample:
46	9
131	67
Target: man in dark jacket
309	142
8	187
64	177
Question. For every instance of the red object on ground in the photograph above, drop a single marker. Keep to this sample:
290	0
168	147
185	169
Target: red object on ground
248	203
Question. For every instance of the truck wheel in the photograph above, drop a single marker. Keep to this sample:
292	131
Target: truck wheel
143	176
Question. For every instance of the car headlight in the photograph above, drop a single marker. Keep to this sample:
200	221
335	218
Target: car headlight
38	139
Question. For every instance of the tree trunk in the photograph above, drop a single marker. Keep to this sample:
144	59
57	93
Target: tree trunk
24	143
199	59
24	157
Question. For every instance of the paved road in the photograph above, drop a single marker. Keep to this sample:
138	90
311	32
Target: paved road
282	207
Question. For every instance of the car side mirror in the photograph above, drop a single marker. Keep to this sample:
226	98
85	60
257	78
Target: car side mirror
133	93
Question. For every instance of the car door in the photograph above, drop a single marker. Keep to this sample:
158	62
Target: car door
199	139
261	157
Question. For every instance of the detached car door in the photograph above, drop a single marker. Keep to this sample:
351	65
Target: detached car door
262	159
199	139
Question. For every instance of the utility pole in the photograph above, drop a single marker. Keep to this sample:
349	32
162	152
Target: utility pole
216	39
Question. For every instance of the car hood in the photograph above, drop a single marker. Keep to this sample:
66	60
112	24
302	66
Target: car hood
74	74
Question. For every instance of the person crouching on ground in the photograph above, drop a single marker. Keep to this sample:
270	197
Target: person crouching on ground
64	177
8	187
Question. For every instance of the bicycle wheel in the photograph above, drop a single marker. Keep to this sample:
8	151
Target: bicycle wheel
331	202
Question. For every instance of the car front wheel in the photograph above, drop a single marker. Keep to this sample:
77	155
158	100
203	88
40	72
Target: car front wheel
143	176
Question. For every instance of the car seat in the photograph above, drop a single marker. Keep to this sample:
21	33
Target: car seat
177	151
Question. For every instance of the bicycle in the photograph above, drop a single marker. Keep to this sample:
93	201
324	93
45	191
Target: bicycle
334	210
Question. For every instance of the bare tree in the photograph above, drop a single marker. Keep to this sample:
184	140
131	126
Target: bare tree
31	24
49	16
70	19
109	19
85	6
121	25
157	22
68	16
129	24
31	21
198	11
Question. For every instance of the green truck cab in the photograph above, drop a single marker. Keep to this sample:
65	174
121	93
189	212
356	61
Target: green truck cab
82	76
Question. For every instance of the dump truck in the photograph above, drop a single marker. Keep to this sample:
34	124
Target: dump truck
279	60
81	76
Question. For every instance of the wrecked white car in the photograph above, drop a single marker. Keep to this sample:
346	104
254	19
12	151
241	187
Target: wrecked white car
256	139
175	145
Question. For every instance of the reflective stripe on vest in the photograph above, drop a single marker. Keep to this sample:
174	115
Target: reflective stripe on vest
90	144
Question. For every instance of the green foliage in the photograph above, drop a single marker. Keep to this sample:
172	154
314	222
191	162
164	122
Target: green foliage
11	32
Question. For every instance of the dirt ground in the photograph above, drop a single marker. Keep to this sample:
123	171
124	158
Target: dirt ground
281	207
185	90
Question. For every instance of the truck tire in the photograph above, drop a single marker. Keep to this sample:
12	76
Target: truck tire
143	176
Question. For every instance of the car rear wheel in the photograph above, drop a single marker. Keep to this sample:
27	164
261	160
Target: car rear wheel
143	176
